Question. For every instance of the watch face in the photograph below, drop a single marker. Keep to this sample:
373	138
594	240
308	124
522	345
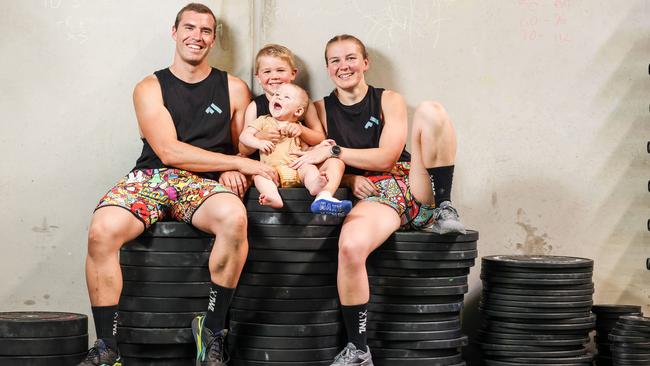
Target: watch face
336	150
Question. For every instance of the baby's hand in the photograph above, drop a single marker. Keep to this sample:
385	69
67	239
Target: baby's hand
266	147
291	130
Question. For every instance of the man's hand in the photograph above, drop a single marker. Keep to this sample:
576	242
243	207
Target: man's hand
266	146
317	155
361	186
254	167
291	130
271	134
235	181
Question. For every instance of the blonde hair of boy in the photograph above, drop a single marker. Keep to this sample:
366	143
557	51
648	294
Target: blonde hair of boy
275	50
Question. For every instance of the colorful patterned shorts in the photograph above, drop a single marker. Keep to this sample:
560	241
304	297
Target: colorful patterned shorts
154	194
394	191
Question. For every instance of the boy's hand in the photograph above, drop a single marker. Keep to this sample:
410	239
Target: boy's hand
272	135
266	147
291	130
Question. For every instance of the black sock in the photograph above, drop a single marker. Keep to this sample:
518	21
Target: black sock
218	304
105	318
355	318
442	178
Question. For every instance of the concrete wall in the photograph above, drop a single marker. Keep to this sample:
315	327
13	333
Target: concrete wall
549	98
68	127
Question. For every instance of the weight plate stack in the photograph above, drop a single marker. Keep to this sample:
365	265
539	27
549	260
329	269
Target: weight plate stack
417	286
536	310
42	338
286	309
630	341
166	285
606	317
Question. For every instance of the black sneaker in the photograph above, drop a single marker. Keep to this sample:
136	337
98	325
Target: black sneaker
209	347
101	355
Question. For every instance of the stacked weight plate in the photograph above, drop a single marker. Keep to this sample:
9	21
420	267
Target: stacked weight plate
630	341
286	309
42	338
606	317
417	285
536	310
166	284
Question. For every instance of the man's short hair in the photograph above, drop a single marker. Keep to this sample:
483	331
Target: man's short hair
198	8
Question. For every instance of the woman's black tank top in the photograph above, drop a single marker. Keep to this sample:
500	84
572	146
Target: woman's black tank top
201	115
357	126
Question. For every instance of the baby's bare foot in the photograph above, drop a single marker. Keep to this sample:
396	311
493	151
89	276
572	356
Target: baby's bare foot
322	179
265	200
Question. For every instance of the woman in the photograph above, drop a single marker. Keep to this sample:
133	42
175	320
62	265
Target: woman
395	188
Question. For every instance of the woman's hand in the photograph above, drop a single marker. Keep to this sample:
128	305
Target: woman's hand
361	186
316	155
327	142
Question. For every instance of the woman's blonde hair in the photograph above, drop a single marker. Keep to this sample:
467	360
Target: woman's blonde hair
347	37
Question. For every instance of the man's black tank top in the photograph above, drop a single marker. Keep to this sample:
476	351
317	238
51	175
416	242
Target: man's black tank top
201	115
262	104
357	126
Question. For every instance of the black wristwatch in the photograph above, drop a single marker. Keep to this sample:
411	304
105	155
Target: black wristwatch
335	151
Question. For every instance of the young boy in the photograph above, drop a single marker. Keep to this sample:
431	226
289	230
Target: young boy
286	107
275	65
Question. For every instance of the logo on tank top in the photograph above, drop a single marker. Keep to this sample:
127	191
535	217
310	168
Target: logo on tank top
213	108
371	122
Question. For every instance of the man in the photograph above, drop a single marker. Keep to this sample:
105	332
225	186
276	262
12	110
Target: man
190	116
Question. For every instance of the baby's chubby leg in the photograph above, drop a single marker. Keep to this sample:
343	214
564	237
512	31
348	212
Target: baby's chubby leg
269	195
313	179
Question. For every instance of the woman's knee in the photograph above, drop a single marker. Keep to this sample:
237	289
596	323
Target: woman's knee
352	253
431	114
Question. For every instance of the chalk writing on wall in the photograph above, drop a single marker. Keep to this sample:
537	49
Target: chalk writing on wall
72	27
391	22
56	4
545	20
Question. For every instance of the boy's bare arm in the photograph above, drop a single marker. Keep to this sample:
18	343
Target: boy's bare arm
248	139
312	130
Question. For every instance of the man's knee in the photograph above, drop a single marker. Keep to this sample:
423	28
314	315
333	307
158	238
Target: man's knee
104	238
237	220
230	219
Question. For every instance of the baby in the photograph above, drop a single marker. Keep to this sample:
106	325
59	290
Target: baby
287	105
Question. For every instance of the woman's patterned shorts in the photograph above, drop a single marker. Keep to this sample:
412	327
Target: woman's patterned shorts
394	191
